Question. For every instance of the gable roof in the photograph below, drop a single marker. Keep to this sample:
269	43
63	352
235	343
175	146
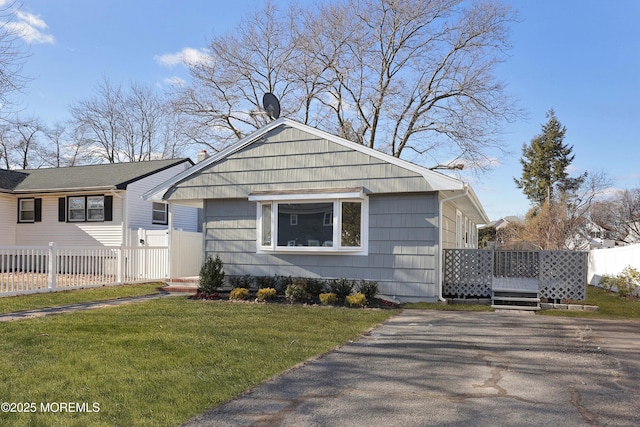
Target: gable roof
436	180
88	177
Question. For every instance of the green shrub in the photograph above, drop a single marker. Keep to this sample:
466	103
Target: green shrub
239	293
282	283
327	298
626	283
369	289
356	300
341	287
245	281
266	281
211	276
297	290
629	281
315	286
608	282
265	294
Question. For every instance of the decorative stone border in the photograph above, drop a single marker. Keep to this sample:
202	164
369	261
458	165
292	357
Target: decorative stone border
548	306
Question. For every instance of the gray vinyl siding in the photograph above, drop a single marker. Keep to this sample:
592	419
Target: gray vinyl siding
403	241
291	159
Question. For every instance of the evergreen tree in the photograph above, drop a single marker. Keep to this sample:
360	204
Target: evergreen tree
545	162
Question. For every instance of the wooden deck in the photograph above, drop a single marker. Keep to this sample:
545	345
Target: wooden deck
525	284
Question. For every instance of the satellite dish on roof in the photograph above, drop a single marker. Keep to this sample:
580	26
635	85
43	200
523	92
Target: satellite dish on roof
271	105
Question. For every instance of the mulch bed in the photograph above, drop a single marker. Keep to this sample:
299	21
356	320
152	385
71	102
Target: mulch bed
281	299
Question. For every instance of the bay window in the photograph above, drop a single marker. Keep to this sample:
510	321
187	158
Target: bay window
317	222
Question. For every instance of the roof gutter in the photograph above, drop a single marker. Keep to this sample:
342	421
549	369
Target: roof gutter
63	190
465	193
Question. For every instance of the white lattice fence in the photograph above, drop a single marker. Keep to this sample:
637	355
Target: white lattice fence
467	272
563	275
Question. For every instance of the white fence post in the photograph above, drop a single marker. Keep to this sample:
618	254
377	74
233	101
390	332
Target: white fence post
120	261
52	266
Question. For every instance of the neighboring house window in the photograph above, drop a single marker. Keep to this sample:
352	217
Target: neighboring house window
160	213
324	222
87	208
77	209
29	210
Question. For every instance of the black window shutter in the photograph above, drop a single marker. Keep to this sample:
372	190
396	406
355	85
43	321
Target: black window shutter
37	207
62	209
108	208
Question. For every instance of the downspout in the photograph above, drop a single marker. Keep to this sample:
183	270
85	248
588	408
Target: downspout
465	187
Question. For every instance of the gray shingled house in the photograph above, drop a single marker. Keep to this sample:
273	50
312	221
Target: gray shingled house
290	199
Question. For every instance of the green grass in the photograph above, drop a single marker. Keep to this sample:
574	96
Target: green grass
611	306
160	362
54	299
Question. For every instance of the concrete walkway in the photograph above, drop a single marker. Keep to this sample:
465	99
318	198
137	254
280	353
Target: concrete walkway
40	312
434	368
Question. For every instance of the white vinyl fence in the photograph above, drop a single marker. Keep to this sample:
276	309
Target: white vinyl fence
612	261
186	251
46	269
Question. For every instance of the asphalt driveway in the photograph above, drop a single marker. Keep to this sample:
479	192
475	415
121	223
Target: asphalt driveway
433	368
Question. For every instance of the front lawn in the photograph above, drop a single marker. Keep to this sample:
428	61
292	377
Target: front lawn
611	306
75	296
159	362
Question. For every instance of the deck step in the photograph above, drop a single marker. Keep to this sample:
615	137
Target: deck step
519	299
515	307
515	299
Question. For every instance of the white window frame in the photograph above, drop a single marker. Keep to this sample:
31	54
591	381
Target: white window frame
88	211
92	210
70	217
336	198
22	210
164	210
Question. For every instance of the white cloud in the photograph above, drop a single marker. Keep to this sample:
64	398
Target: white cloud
31	28
186	56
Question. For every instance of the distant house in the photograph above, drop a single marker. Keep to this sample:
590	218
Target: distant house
295	201
94	205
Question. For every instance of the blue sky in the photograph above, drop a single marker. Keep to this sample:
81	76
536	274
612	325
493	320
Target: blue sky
581	58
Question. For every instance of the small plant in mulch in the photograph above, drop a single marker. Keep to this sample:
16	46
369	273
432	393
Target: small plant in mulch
341	287
266	294
211	276
205	296
368	288
356	300
327	298
297	290
239	294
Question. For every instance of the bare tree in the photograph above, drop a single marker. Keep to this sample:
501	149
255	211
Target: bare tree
393	75
131	124
619	215
6	144
12	56
241	67
141	121
98	119
27	143
563	222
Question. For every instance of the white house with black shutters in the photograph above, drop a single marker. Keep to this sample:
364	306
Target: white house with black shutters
93	205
